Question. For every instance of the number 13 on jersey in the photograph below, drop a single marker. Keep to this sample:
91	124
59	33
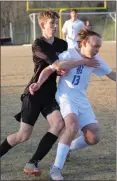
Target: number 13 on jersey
76	80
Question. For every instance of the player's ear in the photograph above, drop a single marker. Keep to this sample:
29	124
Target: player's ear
84	43
42	26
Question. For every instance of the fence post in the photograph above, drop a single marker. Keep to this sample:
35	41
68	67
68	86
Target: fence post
11	32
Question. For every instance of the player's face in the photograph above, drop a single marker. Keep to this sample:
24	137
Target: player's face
92	46
50	27
73	15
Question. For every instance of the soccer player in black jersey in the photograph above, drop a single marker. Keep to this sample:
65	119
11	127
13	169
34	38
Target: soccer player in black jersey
45	50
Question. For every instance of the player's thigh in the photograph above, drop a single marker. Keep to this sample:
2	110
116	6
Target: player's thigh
25	129
67	106
71	122
69	112
89	124
51	112
87	117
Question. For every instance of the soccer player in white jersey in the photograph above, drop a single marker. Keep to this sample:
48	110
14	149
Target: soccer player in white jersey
71	28
71	96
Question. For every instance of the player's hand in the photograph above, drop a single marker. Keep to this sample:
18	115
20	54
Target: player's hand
91	62
33	88
62	72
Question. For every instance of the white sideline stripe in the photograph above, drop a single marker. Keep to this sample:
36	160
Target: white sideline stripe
103	42
108	41
26	45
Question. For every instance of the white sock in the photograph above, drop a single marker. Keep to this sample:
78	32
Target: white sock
61	155
78	143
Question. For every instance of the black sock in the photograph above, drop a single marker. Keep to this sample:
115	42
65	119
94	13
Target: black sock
4	147
44	147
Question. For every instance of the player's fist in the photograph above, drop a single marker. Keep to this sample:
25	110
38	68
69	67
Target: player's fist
62	72
33	88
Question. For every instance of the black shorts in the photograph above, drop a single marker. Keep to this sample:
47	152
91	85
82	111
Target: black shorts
32	106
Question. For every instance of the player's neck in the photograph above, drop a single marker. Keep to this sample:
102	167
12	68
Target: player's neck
48	39
73	19
80	51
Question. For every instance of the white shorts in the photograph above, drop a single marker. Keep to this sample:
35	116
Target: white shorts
85	115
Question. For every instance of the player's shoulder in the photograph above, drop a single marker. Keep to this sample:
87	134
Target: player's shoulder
71	50
67	53
97	57
64	53
67	22
60	40
61	43
38	41
80	21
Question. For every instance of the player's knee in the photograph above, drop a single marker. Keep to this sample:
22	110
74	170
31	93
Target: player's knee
59	125
71	124
93	139
23	136
96	139
92	134
73	129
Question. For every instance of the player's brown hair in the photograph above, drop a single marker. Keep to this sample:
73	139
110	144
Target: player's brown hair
74	10
49	14
84	34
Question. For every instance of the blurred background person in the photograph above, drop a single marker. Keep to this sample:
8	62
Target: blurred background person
71	28
88	24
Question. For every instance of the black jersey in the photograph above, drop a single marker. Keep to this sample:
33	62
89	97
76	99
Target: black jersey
45	54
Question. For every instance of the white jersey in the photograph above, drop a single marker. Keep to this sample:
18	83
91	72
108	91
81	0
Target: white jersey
73	86
72	29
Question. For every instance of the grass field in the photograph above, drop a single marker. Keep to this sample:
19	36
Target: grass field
93	163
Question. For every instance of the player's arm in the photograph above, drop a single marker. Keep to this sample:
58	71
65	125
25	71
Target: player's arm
75	63
64	31
104	70
44	75
64	65
57	66
64	36
41	53
112	76
46	72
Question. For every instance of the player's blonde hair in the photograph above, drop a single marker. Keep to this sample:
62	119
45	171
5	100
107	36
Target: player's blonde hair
84	34
45	15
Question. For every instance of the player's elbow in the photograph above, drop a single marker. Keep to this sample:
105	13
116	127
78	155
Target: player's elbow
112	76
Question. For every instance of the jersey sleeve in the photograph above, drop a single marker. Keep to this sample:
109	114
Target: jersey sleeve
65	56
103	69
82	25
40	53
64	45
